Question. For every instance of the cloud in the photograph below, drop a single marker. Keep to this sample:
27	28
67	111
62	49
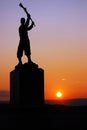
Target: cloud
4	95
63	79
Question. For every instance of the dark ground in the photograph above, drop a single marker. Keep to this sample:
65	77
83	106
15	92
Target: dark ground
47	116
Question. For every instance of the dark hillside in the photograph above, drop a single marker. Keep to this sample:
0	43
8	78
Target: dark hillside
48	116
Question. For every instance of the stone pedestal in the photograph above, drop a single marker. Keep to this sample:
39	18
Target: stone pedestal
27	85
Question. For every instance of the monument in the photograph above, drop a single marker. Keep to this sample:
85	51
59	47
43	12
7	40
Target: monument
26	80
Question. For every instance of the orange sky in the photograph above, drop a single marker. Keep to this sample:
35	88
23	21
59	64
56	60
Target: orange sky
58	44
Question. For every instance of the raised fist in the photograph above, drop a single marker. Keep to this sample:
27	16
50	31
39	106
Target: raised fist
28	15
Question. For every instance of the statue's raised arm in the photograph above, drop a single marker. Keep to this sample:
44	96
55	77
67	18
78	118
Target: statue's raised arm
21	5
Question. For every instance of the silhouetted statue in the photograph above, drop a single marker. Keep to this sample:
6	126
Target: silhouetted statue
24	43
26	80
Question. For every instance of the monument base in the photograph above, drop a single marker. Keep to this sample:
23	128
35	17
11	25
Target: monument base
27	85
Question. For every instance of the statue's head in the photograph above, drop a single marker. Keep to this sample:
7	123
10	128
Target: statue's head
22	20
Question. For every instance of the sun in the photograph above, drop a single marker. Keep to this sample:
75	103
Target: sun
59	94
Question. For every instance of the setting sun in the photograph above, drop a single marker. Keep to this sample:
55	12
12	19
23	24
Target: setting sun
59	94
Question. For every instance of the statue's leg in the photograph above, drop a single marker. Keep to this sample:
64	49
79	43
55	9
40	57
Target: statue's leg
20	53
28	51
29	58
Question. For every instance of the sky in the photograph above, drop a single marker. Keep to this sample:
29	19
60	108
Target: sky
58	44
